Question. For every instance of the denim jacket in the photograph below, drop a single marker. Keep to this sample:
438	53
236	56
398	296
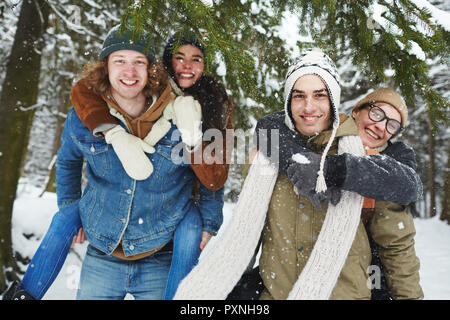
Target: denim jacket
114	207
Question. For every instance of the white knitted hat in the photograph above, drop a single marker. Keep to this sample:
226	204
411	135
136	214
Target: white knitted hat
314	61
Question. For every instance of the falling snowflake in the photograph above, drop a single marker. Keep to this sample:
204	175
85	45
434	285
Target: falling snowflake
208	3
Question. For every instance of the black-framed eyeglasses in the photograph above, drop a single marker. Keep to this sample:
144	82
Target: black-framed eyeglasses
377	114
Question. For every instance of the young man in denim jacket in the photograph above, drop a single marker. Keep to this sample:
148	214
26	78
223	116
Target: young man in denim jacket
128	222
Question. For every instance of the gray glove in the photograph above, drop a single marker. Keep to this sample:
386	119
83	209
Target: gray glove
303	176
332	194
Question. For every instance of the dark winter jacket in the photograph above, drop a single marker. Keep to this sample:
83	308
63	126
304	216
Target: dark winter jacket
395	166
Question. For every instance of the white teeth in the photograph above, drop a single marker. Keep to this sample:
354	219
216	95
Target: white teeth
373	135
311	118
187	75
129	82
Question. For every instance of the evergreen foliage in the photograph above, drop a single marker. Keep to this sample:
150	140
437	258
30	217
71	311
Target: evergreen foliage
243	35
374	43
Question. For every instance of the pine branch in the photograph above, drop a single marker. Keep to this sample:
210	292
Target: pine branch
232	32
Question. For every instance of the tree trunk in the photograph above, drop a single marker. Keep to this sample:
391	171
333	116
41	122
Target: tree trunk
63	108
432	169
445	214
20	89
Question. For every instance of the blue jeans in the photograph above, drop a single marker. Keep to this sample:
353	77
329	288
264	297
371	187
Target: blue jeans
186	250
105	277
52	252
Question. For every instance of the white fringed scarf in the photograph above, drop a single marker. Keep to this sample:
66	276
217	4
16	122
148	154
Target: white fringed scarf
222	266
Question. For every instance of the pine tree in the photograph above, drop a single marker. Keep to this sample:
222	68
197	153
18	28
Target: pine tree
445	213
242	34
20	89
39	70
377	43
372	42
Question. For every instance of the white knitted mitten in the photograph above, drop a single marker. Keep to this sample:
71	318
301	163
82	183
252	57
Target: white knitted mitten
131	152
188	119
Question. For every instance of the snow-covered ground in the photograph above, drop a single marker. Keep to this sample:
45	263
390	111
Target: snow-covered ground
32	215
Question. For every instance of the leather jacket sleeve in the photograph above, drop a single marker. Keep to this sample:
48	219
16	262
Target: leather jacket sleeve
213	174
90	107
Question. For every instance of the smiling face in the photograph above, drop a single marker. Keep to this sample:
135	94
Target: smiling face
127	73
310	105
188	64
373	134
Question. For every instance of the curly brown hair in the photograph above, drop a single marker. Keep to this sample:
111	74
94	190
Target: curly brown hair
95	75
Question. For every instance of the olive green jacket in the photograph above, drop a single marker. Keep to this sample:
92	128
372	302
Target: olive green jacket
293	225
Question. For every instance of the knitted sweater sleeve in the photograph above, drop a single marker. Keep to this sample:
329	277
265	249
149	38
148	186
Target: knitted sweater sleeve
390	176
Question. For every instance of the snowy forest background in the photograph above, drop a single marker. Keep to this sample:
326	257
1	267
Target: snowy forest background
251	61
